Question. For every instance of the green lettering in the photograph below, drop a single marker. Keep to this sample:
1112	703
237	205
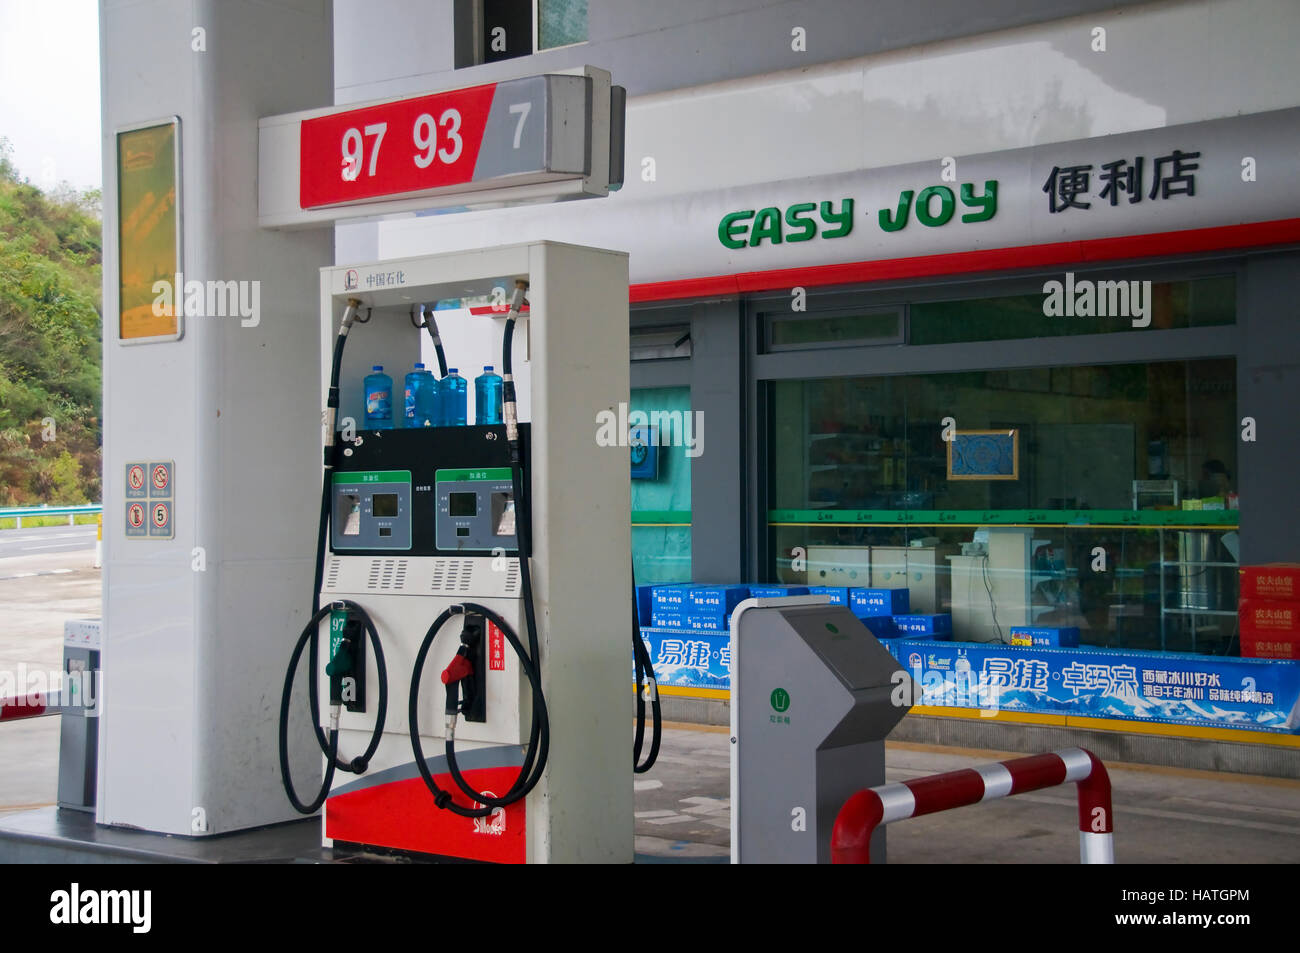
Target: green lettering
986	203
843	219
899	219
731	226
807	226
946	203
767	224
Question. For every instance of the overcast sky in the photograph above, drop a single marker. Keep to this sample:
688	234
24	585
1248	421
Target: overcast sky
49	90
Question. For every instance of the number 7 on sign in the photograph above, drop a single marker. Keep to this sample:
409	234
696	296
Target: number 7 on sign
522	109
377	129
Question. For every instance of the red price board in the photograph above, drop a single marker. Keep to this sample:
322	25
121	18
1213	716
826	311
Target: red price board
393	148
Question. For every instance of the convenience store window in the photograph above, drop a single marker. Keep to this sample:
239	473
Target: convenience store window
661	487
1113	306
1101	497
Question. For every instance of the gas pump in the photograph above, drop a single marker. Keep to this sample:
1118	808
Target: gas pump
473	570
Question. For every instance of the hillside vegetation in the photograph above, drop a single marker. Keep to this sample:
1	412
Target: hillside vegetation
50	260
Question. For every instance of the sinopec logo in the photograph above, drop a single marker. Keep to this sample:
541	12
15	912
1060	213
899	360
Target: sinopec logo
494	823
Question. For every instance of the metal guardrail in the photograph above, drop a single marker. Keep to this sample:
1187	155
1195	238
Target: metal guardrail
17	513
33	705
866	810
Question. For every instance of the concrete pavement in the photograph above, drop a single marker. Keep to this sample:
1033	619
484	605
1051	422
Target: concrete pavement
1162	815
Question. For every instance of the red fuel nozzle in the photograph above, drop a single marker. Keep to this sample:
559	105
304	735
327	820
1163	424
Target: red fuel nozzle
460	668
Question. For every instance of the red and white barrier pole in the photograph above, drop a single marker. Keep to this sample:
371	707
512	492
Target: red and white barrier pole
865	811
26	706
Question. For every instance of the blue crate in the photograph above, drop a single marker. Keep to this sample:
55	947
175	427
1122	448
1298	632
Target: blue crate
718	624
644	605
703	600
872	602
668	619
881	626
668	596
839	594
776	592
940	624
1045	636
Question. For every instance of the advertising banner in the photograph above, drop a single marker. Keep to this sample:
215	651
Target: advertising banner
1166	687
686	658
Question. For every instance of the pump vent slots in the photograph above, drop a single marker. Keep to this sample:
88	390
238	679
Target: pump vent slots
512	578
332	574
452	575
387	574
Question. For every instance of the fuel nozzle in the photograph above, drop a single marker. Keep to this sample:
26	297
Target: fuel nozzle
464	676
460	669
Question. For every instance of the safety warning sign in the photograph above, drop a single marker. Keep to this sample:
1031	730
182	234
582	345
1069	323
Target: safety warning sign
135	520
160	480
135	487
150	500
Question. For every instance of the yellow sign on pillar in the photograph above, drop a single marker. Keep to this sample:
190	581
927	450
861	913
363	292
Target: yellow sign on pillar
149	232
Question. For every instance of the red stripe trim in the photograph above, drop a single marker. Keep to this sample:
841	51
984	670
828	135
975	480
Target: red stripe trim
1035	772
22	706
493	309
1188	241
1096	815
854	825
943	791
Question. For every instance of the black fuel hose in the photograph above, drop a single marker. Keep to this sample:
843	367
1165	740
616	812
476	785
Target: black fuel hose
429	324
330	744
645	680
539	738
539	741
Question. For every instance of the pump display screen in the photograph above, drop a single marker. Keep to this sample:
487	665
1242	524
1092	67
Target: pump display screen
463	504
383	505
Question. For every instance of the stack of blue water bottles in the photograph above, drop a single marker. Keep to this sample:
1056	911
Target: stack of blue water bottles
429	402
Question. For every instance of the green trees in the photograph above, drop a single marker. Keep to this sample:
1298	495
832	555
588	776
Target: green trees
50	259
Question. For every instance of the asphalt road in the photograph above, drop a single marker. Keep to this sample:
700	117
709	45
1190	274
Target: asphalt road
43	540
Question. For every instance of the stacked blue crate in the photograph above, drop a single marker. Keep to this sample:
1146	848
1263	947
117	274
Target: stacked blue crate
878	602
1045	636
839	594
765	591
709	607
938	626
668	607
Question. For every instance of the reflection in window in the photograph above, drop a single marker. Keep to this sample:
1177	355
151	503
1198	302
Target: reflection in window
1109	440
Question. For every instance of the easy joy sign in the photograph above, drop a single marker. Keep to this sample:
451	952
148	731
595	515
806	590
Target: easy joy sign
522	131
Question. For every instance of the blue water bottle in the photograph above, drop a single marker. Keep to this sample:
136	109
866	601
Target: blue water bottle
426	400
379	400
453	394
487	397
418	403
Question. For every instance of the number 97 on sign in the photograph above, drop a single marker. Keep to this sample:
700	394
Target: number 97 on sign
425	137
407	146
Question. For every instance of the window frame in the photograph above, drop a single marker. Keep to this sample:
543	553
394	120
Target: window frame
767	318
762	369
477	28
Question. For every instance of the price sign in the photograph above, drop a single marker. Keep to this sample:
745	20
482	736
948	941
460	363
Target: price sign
528	130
